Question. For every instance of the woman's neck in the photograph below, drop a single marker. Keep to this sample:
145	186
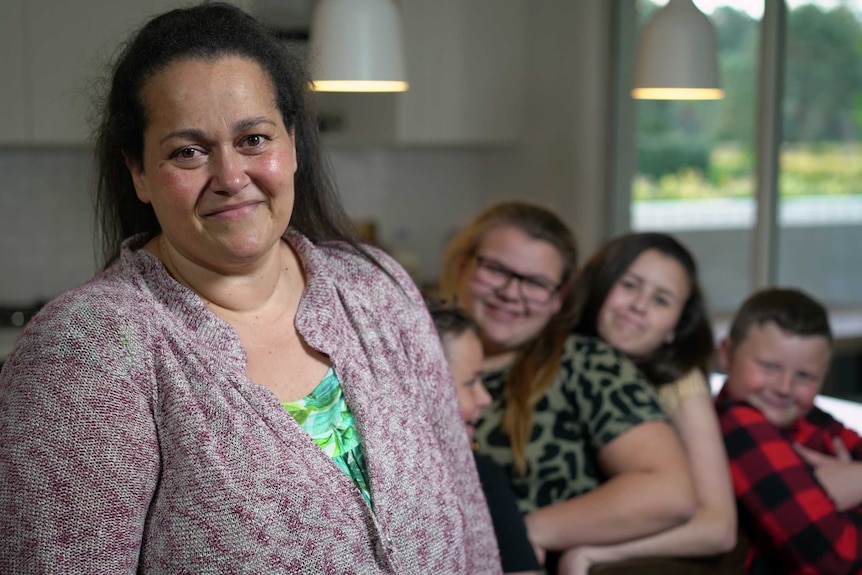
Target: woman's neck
273	278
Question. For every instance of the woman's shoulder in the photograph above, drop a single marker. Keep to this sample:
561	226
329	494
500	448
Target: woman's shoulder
102	298
343	284
91	327
381	279
118	300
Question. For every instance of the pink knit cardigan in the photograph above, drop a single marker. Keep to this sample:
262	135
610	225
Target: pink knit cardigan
131	440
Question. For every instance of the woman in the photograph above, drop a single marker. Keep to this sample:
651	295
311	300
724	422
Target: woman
227	395
459	335
640	294
578	429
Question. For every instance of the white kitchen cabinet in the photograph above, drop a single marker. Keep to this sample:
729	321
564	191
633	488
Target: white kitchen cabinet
465	65
57	54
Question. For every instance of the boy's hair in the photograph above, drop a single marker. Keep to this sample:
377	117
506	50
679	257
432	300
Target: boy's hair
792	310
449	319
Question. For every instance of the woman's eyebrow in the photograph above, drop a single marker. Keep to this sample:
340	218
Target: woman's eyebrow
250	123
197	134
184	133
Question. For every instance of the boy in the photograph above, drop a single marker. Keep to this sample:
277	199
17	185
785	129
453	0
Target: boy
463	349
796	471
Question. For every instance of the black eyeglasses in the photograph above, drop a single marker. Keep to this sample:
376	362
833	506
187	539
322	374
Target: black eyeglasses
496	275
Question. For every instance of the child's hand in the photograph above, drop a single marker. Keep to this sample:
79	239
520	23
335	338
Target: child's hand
839	475
816	459
576	561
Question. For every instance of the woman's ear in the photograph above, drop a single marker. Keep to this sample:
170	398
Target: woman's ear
292	135
136	169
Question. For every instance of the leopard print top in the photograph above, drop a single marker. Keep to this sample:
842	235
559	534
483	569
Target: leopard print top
598	395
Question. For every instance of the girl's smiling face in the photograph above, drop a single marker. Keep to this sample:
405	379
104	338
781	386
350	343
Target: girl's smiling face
495	291
644	305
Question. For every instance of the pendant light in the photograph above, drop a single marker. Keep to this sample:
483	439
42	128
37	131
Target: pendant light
677	56
357	46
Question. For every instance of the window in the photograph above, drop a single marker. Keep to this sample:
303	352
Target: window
764	186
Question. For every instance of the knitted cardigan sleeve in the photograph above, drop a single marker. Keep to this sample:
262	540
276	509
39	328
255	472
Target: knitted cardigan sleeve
422	344
78	449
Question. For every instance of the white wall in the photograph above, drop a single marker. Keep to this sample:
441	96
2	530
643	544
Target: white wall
46	237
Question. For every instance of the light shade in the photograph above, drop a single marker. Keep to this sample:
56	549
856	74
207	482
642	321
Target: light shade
677	56
357	46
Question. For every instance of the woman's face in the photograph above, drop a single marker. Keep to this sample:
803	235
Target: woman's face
644	305
511	287
464	352
218	162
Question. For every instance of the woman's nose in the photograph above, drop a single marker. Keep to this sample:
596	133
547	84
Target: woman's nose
229	172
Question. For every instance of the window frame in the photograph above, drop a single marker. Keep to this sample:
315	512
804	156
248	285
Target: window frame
622	160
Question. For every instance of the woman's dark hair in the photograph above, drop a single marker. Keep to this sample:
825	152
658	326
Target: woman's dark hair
207	31
692	345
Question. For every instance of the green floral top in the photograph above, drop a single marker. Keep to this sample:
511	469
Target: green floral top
325	416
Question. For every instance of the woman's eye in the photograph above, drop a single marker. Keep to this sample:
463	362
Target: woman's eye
254	141
661	301
186	153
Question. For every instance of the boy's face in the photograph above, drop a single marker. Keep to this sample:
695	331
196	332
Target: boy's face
777	372
464	352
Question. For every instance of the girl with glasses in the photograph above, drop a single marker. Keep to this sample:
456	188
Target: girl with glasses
576	426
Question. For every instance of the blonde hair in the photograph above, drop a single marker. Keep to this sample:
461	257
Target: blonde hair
537	362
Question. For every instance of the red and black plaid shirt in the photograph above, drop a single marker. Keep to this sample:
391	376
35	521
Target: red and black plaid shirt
792	523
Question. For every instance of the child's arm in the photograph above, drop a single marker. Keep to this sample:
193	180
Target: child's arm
851	440
835	452
783	508
712	529
649	490
839	475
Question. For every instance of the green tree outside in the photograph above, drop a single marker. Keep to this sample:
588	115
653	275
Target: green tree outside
706	149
